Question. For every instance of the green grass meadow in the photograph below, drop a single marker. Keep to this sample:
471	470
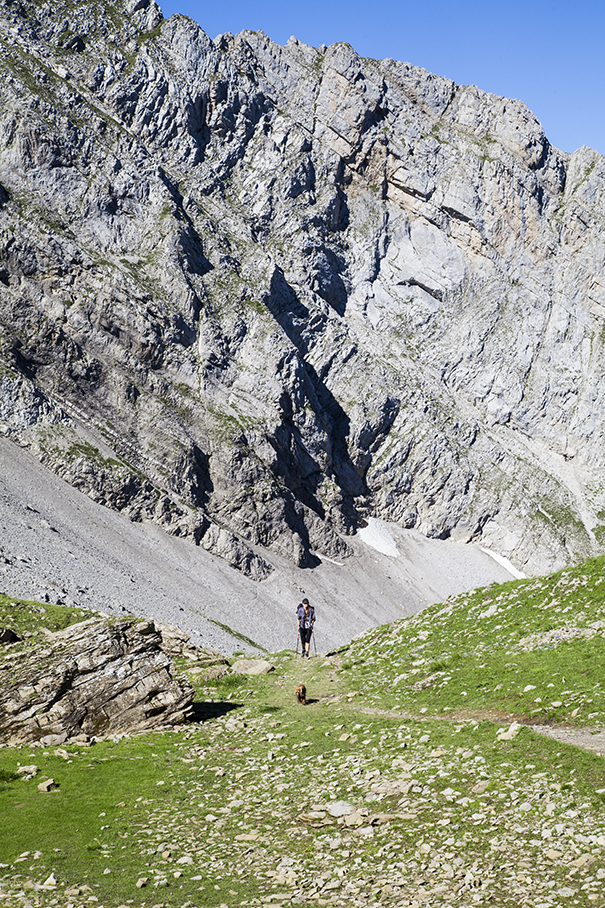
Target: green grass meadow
531	649
402	725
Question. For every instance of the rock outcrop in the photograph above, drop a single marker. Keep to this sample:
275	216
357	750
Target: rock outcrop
259	293
95	678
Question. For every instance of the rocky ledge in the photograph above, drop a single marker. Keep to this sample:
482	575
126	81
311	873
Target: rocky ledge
94	678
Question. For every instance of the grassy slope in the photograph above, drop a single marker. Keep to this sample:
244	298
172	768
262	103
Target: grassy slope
234	811
529	648
27	618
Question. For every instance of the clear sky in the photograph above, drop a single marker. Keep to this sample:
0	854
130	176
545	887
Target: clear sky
548	53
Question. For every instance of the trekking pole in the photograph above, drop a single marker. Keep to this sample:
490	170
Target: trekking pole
314	644
297	637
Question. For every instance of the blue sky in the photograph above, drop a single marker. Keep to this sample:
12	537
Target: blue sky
549	54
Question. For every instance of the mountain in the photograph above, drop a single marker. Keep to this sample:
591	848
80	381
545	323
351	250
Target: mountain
260	294
57	546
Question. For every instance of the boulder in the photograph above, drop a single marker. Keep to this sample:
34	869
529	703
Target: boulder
504	734
95	678
47	785
252	667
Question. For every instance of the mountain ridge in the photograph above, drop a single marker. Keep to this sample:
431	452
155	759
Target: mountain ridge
258	294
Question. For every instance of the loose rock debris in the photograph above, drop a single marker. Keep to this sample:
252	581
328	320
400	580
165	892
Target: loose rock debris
407	819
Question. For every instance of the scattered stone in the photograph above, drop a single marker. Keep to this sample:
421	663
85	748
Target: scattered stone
47	785
480	787
53	740
340	808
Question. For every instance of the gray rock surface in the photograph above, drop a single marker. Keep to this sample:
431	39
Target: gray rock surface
252	667
58	545
95	678
256	294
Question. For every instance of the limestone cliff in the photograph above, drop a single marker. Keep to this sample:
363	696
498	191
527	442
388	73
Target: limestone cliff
258	293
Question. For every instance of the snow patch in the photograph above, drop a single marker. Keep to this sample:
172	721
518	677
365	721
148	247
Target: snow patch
518	575
377	535
323	557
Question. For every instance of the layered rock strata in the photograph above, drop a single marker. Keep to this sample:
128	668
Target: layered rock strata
95	678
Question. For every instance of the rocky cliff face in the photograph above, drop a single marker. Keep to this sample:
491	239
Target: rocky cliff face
258	293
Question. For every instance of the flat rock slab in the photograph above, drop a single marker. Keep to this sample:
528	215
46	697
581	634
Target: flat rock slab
340	809
252	667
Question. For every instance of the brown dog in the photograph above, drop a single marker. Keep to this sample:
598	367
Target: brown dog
301	694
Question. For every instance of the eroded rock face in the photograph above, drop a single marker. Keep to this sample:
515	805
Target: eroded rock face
257	293
95	678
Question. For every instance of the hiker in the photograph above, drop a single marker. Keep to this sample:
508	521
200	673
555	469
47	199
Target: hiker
305	614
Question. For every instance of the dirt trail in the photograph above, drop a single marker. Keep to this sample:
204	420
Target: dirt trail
592	739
